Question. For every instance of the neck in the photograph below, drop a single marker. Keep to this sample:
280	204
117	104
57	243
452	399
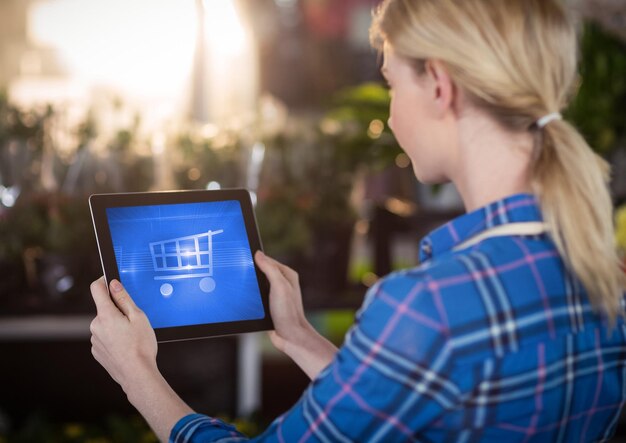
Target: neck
492	163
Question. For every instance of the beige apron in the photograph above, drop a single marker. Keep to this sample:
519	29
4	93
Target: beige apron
509	229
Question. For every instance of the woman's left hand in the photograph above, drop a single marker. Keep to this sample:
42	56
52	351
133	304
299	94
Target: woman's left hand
122	340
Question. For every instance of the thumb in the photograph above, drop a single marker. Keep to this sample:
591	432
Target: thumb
270	269
122	299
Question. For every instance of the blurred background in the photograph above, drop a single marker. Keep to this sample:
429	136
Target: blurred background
283	97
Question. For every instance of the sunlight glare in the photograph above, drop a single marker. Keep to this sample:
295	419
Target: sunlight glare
233	68
225	32
142	47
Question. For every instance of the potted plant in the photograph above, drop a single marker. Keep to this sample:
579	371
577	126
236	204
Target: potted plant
599	108
310	172
50	236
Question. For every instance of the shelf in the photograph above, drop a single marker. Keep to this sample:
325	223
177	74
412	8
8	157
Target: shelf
45	327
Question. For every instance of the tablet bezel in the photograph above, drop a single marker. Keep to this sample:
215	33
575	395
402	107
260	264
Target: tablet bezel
98	204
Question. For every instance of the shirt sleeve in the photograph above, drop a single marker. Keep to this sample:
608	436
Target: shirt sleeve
201	428
386	383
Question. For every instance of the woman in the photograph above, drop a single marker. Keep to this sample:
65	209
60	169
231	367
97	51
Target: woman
511	329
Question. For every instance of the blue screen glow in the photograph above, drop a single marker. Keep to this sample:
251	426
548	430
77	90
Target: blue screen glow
186	264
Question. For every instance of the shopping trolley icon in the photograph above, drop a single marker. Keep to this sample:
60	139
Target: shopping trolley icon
183	258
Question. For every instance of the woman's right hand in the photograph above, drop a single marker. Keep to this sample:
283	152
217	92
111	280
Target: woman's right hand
292	333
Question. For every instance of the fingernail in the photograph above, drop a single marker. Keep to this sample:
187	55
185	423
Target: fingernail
260	253
116	286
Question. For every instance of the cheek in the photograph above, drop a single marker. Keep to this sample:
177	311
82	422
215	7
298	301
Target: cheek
402	121
414	136
396	115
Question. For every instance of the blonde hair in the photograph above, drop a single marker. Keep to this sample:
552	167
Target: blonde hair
517	60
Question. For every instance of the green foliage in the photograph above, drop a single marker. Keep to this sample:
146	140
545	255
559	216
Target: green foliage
599	109
311	170
282	222
356	145
21	139
306	189
211	159
15	123
112	429
53	222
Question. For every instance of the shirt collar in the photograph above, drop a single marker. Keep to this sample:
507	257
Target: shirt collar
513	209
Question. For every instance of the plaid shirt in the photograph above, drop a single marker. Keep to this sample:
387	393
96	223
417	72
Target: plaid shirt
492	343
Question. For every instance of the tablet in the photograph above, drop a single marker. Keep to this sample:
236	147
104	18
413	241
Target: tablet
186	259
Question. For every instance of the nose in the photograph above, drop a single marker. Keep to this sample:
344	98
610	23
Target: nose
390	123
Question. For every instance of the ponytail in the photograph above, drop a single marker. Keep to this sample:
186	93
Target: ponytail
572	184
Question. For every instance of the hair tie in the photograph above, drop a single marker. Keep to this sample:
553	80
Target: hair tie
543	121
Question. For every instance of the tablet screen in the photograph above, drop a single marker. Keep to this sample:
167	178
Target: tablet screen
186	264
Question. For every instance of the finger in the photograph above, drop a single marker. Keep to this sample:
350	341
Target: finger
269	268
101	297
98	346
122	299
288	273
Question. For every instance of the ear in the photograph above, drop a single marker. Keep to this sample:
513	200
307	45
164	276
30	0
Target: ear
442	90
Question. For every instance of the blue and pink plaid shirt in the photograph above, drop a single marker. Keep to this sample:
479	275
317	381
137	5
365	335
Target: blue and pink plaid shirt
492	343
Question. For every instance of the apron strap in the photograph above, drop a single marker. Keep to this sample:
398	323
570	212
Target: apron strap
524	228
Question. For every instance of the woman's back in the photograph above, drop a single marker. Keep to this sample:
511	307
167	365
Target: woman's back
526	358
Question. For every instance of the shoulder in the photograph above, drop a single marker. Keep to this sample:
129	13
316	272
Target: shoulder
429	293
474	302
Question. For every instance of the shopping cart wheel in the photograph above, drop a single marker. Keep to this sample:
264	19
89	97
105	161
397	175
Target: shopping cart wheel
207	284
166	290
